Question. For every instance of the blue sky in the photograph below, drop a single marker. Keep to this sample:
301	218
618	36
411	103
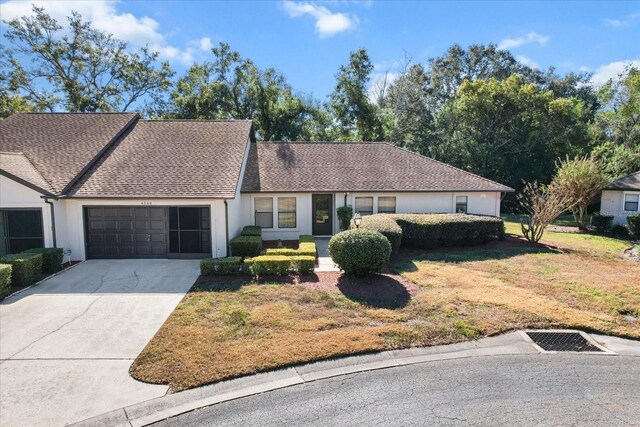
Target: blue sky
308	41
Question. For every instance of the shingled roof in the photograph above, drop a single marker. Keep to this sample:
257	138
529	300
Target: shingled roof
170	158
19	168
61	145
340	166
629	182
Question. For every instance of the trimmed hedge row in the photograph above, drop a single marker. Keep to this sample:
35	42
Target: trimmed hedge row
5	279
51	258
306	247
221	266
251	230
425	231
634	226
280	264
385	225
26	267
246	246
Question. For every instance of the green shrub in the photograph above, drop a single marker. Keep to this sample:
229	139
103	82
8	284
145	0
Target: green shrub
306	247
436	230
360	251
5	279
620	230
221	266
246	246
385	225
51	258
634	226
251	230
344	217
280	265
26	268
602	223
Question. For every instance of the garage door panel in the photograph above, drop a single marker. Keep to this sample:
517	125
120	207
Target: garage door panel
126	232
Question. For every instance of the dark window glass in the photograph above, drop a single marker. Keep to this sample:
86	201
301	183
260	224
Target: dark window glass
174	243
189	230
190	242
264	212
461	204
364	205
631	202
21	230
386	205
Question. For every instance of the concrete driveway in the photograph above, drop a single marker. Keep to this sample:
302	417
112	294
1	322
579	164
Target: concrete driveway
66	345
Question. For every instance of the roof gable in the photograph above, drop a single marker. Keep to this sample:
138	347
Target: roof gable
629	182
18	167
340	166
61	145
170	158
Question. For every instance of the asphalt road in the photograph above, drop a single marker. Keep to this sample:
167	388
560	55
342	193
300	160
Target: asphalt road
546	389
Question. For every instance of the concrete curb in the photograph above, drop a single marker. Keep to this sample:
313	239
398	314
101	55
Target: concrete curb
42	281
171	405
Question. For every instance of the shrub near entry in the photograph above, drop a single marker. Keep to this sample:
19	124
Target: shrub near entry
5	279
51	258
387	226
360	251
246	246
26	268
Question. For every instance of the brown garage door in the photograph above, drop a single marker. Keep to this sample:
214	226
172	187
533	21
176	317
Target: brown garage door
126	232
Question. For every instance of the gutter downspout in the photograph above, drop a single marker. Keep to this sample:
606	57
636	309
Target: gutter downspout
53	221
226	226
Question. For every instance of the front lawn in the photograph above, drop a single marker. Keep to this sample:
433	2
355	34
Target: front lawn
228	327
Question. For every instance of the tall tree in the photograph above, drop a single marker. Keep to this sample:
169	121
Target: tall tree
510	131
79	68
616	129
355	114
232	87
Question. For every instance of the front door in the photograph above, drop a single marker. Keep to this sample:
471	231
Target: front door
322	205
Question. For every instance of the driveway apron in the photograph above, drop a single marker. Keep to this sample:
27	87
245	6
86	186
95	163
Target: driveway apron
66	345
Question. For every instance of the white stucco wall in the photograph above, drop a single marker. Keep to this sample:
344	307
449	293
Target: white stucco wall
612	203
72	215
15	195
482	203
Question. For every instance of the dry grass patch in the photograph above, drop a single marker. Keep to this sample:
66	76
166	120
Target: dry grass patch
228	327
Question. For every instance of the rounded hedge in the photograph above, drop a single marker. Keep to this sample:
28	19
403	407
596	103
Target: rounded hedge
387	226
360	251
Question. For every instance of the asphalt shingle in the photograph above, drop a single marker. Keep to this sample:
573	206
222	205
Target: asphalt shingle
340	166
629	182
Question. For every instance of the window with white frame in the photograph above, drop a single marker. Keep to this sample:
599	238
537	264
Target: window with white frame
631	202
387	205
364	205
461	204
263	211
286	212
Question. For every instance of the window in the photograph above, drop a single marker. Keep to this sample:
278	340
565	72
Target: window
461	204
364	205
20	230
286	212
386	205
631	202
264	211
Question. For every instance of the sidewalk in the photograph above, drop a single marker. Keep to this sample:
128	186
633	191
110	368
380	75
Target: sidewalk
325	263
514	343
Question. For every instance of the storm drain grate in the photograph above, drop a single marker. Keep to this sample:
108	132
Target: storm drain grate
562	341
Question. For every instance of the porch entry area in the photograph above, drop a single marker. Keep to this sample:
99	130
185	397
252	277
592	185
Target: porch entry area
322	211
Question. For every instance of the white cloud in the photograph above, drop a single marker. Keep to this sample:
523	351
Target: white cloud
327	23
531	37
611	71
628	21
103	15
527	61
205	44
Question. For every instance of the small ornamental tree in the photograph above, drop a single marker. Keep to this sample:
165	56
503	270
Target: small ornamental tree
344	217
581	179
543	204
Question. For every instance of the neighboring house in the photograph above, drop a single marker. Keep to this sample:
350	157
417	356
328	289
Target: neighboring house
622	198
117	186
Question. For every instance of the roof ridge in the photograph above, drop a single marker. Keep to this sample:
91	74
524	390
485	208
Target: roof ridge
40	172
13	153
50	113
447	165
